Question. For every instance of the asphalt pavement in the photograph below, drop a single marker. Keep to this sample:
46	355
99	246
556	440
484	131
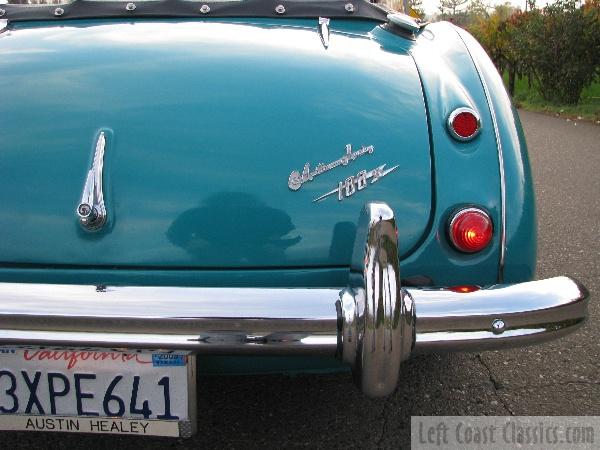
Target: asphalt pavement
326	411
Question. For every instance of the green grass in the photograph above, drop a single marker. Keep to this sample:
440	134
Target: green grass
588	107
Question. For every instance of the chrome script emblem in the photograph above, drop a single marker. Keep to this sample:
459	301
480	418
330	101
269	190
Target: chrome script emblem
357	182
297	179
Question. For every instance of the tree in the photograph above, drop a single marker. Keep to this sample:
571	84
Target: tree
529	5
454	11
476	13
505	11
488	32
451	7
416	9
496	33
557	46
477	9
511	30
560	46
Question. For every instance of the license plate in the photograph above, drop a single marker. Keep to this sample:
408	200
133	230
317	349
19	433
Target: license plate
97	391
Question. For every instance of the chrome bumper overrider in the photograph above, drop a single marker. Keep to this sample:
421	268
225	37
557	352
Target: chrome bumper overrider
373	323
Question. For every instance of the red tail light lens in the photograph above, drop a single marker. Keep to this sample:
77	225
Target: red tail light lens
471	230
466	289
464	124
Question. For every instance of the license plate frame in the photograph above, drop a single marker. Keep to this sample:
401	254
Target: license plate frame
181	363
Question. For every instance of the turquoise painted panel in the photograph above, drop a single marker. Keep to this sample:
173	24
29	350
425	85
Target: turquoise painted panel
205	121
214	194
466	173
521	223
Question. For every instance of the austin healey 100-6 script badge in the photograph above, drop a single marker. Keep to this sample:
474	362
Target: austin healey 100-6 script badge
350	185
297	179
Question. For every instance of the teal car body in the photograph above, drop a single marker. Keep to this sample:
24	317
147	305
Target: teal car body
194	131
204	120
247	187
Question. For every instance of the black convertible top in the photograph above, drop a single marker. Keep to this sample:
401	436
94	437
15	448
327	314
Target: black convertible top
84	9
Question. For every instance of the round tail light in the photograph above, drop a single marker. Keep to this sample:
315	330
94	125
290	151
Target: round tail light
471	230
464	124
464	289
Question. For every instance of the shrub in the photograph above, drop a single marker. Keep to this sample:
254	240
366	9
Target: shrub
560	47
557	46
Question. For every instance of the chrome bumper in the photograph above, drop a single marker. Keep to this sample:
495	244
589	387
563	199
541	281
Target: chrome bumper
373	324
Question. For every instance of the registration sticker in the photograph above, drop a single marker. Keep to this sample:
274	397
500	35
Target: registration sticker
168	359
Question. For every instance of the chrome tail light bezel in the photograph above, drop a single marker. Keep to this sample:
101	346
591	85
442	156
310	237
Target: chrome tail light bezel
450	124
459	213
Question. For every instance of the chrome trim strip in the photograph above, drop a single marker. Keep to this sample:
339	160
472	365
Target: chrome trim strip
206	341
528	313
207	320
172	304
500	164
91	210
373	324
287	321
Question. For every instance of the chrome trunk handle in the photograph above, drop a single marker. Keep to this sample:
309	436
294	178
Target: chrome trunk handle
91	210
